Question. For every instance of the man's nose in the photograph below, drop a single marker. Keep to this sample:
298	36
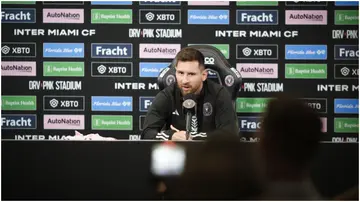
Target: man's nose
185	79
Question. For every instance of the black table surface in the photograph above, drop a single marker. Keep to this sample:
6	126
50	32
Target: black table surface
119	170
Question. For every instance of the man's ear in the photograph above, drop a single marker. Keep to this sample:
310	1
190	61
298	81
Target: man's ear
204	74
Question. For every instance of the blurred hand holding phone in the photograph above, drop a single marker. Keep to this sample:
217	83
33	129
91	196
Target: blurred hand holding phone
167	159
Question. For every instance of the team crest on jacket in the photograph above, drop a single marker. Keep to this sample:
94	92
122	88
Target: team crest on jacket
207	109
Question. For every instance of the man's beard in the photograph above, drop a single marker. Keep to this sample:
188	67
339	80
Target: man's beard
191	90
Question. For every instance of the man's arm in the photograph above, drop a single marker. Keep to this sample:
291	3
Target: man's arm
156	118
225	116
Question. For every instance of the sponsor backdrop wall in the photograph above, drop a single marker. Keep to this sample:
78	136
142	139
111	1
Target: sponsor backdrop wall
92	66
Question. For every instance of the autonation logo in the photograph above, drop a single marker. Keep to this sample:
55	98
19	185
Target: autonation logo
63	15
210	17
248	70
65	122
19	68
256	17
148	50
306	17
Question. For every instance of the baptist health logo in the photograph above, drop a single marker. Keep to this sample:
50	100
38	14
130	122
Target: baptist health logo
305	52
346	125
18	15
111	50
346	17
210	17
111	16
60	50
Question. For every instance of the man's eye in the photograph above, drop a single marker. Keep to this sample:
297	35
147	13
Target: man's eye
192	74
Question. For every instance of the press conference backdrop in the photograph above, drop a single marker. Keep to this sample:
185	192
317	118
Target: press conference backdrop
93	66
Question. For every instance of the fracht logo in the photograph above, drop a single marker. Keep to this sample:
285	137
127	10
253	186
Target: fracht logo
249	124
346	52
18	15
111	50
256	17
18	121
145	103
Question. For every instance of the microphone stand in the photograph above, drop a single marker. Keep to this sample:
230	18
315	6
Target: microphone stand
188	124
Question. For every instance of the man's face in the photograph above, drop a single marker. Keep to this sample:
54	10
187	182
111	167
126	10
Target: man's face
190	76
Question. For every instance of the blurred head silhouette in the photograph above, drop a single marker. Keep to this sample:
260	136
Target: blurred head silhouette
290	135
221	170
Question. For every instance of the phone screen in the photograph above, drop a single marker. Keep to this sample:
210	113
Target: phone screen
167	159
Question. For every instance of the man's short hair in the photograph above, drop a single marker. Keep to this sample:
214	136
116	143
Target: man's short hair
292	128
190	54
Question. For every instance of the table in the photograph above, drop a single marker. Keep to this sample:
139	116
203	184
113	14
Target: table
119	170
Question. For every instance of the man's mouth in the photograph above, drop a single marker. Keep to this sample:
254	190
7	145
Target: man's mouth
186	88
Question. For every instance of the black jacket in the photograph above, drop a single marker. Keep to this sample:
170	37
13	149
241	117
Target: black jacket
215	110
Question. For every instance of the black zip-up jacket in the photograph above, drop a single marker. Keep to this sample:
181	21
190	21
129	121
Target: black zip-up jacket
215	111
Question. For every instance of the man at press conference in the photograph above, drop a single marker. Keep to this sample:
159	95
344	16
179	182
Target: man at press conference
210	103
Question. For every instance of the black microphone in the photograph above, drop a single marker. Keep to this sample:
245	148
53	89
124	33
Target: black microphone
189	109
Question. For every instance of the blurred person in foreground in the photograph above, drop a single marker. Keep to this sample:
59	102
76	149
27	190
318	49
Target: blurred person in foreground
165	119
221	169
289	139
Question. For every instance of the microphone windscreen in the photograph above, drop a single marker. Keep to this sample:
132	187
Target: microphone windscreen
190	96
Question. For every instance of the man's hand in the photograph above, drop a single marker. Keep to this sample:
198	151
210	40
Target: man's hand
179	135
